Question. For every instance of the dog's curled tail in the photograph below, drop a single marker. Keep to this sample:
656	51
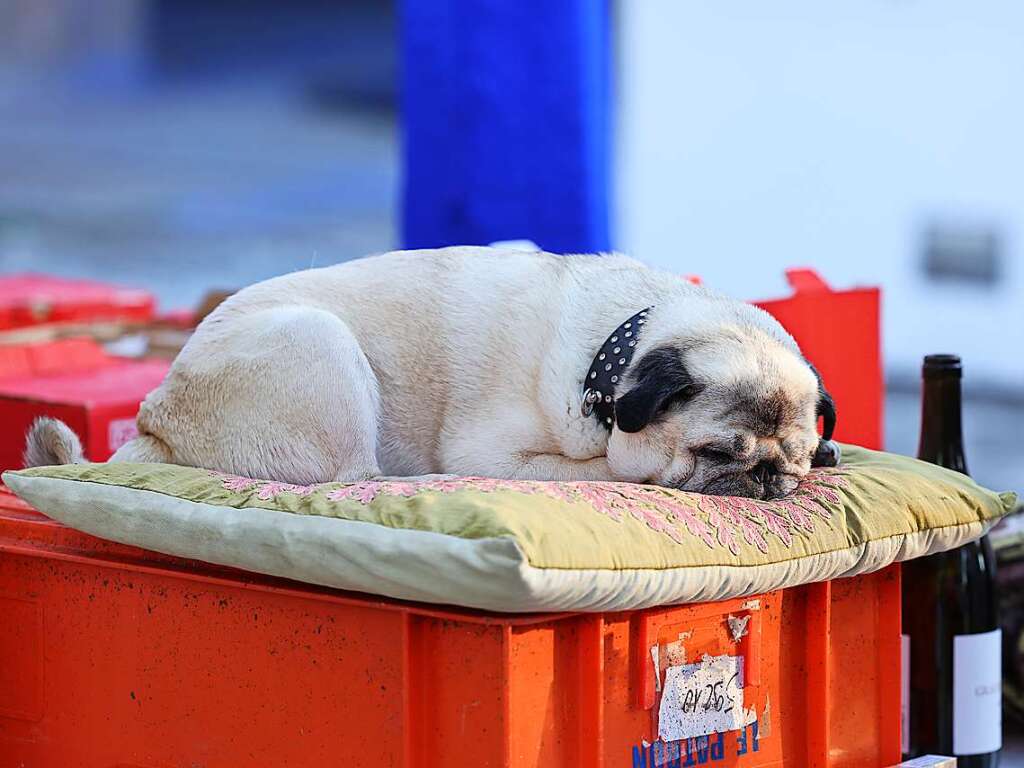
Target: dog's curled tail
52	442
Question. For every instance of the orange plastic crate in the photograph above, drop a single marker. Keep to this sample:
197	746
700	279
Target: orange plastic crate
114	656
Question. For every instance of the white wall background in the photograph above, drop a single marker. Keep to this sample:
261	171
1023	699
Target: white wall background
755	136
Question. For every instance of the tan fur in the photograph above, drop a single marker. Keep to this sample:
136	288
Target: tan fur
52	442
467	361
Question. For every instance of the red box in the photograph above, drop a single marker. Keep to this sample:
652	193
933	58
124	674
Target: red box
839	331
28	300
63	355
98	398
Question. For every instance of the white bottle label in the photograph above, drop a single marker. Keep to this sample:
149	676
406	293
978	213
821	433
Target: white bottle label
904	693
977	693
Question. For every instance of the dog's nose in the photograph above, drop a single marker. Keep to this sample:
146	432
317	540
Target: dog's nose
763	472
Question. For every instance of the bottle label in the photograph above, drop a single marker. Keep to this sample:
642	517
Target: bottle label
977	693
905	694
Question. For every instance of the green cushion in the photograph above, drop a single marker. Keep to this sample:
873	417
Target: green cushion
518	545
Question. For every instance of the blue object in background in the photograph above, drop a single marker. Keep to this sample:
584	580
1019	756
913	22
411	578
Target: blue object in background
505	114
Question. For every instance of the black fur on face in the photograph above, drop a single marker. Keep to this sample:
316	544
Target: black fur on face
661	379
827	454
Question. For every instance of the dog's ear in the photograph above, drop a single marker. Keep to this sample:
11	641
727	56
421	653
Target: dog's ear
660	379
826	406
827	454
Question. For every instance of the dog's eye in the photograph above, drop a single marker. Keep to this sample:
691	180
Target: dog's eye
713	454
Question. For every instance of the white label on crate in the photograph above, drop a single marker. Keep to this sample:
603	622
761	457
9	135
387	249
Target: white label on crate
977	693
703	698
120	431
904	693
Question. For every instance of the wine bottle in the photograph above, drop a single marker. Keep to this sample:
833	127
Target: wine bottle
951	632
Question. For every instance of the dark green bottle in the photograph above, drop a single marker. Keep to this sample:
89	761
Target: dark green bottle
951	629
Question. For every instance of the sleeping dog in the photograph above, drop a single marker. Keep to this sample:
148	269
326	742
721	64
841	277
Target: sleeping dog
480	361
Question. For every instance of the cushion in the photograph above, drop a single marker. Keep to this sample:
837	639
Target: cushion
527	546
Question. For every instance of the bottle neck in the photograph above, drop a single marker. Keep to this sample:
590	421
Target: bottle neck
942	440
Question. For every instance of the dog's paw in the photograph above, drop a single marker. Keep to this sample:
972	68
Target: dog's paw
828	454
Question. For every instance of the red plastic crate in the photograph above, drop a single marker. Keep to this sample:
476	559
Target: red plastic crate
29	299
53	357
839	332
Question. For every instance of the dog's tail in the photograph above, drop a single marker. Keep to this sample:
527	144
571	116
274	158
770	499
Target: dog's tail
52	442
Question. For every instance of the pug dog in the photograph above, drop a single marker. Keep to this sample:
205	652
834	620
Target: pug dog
488	362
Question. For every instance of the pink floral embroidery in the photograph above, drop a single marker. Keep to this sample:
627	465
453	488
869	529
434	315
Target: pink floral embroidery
364	493
725	532
236	483
777	525
265	489
725	513
825	492
273	490
798	515
369	490
718	521
686	515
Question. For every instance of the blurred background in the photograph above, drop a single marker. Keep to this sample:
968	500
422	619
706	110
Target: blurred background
877	141
189	146
182	146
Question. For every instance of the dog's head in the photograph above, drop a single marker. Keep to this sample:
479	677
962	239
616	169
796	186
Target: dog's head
731	410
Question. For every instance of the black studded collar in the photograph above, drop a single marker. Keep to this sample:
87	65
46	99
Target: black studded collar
608	367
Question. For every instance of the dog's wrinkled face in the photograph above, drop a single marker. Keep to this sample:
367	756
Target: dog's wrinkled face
734	415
